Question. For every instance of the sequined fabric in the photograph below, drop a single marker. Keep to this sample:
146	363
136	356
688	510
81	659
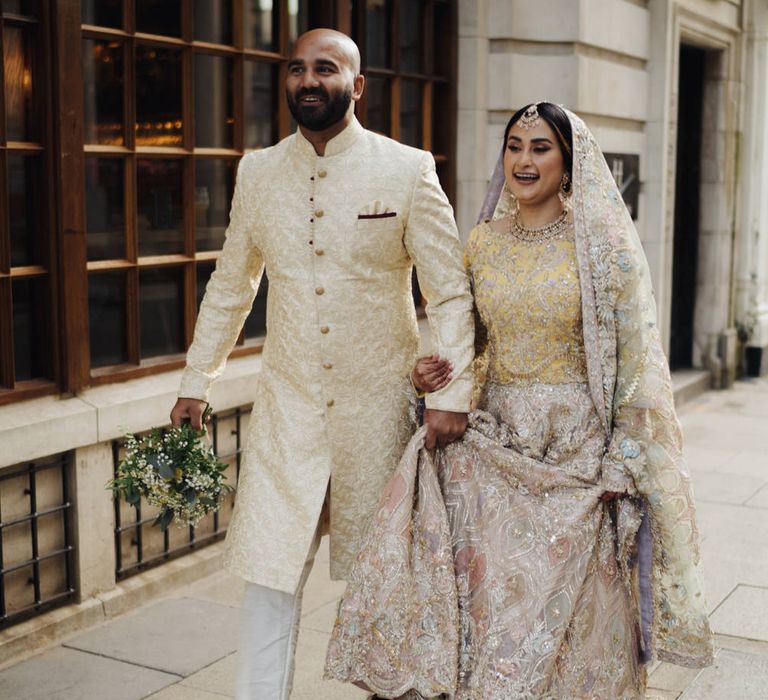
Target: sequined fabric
338	235
529	304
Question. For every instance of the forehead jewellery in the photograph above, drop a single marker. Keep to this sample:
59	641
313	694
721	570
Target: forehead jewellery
530	117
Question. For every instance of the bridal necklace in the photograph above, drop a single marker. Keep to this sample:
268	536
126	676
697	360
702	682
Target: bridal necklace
552	230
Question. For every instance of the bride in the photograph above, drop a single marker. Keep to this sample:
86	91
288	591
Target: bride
552	551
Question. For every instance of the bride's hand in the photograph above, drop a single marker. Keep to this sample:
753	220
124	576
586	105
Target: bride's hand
432	373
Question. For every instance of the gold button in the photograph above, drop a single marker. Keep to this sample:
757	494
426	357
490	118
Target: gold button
329	403
319	291
319	251
324	329
321	173
327	365
319	213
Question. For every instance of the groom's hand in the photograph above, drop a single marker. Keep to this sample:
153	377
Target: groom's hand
188	409
443	427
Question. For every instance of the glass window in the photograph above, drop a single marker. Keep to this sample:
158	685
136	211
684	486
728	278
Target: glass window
158	97
410	113
377	35
260	28
103	92
260	119
213	195
25	201
30	318
298	19
213	21
20	7
161	311
159	17
107	318
214	117
411	31
159	206
19	83
105	13
104	207
379	111
256	323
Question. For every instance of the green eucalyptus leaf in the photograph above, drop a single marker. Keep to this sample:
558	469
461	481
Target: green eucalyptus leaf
167	471
191	496
164	519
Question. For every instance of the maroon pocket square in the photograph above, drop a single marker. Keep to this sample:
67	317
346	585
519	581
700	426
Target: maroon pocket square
385	215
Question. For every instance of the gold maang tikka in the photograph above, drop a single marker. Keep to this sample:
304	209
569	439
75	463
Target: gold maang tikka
530	117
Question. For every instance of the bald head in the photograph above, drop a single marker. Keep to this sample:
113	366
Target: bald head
329	40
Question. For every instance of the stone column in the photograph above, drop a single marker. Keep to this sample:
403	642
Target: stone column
94	520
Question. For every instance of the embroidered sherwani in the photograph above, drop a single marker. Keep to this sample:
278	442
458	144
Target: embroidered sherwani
338	235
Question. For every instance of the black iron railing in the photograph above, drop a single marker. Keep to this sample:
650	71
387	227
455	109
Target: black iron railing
139	546
36	544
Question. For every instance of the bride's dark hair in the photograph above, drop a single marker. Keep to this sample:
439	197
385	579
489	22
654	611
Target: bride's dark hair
559	123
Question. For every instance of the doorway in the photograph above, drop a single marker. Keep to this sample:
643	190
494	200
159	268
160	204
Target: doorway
687	204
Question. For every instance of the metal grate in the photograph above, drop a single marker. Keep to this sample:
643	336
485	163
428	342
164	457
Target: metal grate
139	546
36	550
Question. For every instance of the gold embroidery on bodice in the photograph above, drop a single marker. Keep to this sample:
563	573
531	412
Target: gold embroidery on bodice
528	298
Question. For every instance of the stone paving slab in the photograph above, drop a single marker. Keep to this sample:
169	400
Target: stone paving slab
66	674
734	676
178	636
744	613
219	677
181	692
736	488
760	499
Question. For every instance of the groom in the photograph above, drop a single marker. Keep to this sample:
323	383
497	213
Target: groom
338	215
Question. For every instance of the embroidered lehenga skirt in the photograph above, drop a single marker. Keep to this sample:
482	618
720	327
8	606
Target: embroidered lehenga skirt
490	570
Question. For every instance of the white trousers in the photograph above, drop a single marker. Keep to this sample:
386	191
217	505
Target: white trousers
269	628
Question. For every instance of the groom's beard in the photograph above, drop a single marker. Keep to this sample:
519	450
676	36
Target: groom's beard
321	117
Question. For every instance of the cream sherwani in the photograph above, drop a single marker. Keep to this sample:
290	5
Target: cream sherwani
338	235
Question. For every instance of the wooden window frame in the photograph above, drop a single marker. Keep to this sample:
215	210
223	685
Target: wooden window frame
12	389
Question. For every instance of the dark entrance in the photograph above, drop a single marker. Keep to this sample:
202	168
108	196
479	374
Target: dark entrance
687	204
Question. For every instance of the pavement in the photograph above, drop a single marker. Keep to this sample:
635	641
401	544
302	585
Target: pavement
183	646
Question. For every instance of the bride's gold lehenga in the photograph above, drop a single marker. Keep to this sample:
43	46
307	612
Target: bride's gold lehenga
543	607
492	569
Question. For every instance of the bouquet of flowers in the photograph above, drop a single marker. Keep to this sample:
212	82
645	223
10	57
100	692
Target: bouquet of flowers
175	470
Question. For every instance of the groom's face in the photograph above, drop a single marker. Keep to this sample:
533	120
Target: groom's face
321	83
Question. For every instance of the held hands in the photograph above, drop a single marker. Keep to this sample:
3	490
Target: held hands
432	373
189	409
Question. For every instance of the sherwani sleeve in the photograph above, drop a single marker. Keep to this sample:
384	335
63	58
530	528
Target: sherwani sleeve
432	241
228	296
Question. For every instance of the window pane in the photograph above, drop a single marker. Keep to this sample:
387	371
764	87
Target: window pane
103	92
105	13
213	21
204	271
30	318
158	96
256	323
104	206
160	309
214	114
378	105
213	194
260	104
260	30
411	31
444	40
159	215
377	33
159	17
298	18
20	7
25	202
107	319
410	113
19	83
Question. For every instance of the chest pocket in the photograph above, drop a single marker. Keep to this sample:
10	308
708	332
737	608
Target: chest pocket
378	241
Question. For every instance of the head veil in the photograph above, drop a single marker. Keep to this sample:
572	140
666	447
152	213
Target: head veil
631	388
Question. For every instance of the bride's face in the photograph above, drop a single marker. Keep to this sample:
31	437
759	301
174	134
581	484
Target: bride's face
533	163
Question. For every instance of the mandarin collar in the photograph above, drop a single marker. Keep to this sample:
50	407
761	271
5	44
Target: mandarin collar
338	144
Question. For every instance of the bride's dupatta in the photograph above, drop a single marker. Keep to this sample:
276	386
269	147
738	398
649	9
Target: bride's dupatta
398	627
